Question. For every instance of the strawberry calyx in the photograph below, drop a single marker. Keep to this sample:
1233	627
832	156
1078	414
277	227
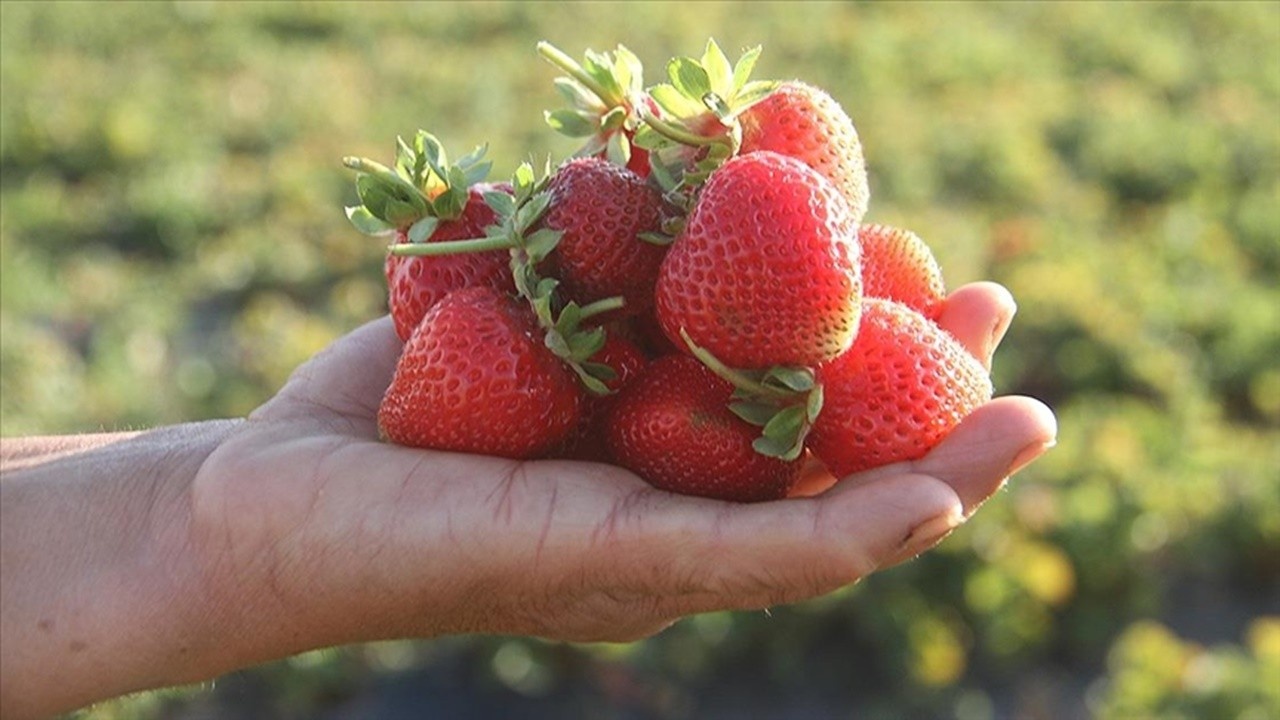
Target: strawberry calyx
605	94
698	129
517	230
784	401
422	190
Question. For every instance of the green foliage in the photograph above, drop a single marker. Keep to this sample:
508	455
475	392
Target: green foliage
173	245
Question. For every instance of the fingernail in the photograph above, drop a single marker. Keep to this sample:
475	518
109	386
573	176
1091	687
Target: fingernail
929	532
1027	454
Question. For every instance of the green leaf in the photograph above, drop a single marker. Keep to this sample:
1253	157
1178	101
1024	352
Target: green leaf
756	413
689	77
656	238
742	70
592	384
573	123
799	379
365	222
569	319
718	70
586	344
628	69
503	204
524	177
400	213
813	403
750	95
434	154
599	370
615	119
674	102
618	151
578	96
770	447
786	430
539	244
423	229
555	342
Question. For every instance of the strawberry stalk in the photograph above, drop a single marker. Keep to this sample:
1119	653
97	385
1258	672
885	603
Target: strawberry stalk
783	401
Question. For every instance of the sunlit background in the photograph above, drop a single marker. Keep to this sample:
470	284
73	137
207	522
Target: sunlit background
174	244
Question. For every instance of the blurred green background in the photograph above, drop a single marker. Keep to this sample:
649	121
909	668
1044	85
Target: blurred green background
173	245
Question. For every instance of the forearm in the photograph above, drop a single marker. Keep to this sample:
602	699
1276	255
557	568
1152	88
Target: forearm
101	593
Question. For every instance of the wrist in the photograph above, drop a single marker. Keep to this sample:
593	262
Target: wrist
96	568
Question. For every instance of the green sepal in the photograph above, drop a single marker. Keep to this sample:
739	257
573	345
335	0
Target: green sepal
756	413
784	401
572	123
656	238
423	229
366	223
783	436
792	378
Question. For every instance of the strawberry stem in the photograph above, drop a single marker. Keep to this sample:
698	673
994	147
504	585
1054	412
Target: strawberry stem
451	247
601	306
553	55
736	378
675	133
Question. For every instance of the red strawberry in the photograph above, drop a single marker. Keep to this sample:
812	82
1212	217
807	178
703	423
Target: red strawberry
425	199
587	442
898	265
712	111
476	377
896	393
804	122
672	427
766	270
415	284
601	209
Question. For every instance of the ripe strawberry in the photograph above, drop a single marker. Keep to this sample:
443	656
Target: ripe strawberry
476	377
626	361
425	199
898	265
672	427
601	210
766	271
804	122
415	284
712	111
896	393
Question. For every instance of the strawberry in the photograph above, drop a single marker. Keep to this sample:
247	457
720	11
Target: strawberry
427	200
711	112
416	283
766	271
626	361
601	211
605	93
896	393
898	265
672	427
476	377
804	122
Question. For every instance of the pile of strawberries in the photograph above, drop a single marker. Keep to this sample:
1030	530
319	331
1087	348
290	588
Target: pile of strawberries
692	297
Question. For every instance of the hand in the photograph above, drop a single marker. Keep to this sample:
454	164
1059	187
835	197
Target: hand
314	533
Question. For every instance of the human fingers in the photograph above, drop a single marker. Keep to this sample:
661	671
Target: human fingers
988	446
704	555
978	315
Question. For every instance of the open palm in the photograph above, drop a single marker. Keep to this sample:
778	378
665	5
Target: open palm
364	540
